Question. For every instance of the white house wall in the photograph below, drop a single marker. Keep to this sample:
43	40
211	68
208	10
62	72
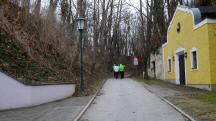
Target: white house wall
14	94
158	58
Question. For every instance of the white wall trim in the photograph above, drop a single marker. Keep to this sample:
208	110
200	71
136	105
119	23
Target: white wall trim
165	44
164	70
178	52
194	50
14	94
206	21
169	58
181	8
195	27
177	69
163	47
188	10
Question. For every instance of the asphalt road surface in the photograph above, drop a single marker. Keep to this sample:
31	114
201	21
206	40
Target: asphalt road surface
128	100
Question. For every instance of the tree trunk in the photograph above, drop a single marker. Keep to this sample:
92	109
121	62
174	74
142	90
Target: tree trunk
1	9
52	9
37	9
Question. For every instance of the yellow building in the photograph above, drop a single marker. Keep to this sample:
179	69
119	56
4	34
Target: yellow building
189	56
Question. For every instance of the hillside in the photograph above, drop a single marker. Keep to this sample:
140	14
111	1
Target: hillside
36	52
20	61
15	61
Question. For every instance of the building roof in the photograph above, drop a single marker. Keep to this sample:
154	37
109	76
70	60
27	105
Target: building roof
201	15
207	12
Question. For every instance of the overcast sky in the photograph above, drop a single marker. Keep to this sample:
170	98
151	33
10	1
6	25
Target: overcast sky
133	2
45	4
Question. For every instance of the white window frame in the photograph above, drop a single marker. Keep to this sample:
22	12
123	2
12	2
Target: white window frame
169	71
192	62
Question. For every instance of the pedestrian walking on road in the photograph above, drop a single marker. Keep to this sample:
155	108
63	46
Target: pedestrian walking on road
116	70
122	70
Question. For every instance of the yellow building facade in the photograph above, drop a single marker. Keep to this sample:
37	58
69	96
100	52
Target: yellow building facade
189	56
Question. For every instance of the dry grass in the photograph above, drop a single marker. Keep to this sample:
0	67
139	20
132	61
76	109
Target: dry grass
92	83
40	50
195	106
199	104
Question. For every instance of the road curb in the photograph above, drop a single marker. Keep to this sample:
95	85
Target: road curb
89	103
175	107
178	109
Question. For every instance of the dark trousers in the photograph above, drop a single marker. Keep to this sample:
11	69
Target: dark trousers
116	74
122	74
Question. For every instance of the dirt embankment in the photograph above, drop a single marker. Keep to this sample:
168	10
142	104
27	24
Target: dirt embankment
36	51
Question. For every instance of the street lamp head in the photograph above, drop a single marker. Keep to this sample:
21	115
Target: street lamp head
81	22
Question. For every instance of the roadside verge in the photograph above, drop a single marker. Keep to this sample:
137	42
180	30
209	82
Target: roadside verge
168	102
177	108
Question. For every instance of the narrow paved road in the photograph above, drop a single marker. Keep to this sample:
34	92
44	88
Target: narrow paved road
128	100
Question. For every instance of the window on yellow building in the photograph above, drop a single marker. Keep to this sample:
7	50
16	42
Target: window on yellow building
178	27
169	65
194	59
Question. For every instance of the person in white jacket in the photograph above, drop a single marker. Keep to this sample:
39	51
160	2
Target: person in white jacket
116	70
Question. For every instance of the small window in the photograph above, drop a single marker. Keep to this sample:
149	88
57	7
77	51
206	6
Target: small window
194	59
178	27
169	65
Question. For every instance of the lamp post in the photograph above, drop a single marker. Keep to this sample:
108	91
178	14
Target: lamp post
81	21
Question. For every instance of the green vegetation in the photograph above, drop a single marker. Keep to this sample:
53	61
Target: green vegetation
208	98
15	61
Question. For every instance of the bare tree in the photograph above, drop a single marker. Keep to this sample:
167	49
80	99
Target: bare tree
52	9
37	8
